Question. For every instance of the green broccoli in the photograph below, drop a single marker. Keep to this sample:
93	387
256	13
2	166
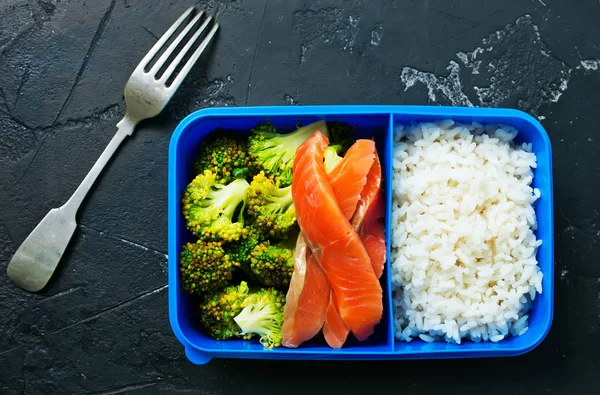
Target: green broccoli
274	152
332	157
217	312
204	267
273	265
212	210
270	207
341	135
263	315
225	154
239	312
240	250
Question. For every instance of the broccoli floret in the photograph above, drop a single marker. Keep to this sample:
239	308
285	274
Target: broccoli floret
240	250
217	312
273	265
332	157
271	207
263	315
239	312
204	267
340	134
225	154
212	210
274	152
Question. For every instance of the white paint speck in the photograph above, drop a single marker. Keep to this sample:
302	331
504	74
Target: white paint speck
351	33
450	86
590	65
590	139
563	274
541	117
288	100
376	35
469	59
564	84
542	3
542	78
303	50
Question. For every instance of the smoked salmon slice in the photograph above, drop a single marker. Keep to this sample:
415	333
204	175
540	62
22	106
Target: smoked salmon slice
334	242
349	177
335	329
307	303
306	299
349	181
367	217
369	194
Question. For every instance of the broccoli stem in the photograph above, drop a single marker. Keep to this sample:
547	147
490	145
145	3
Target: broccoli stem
261	320
229	197
332	157
299	136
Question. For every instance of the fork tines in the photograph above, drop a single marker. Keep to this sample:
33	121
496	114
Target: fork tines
173	49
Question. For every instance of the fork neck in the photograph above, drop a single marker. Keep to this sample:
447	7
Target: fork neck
125	128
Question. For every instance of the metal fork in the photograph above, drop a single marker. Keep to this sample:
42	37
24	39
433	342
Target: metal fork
146	94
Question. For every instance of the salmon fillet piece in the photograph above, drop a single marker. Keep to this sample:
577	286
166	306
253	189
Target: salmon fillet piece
369	194
306	300
366	219
349	177
335	329
334	242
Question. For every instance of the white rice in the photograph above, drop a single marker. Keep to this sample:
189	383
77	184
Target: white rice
463	244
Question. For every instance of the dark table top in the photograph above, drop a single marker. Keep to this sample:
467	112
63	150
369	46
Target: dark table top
101	325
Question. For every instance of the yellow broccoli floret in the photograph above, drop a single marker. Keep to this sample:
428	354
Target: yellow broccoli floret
214	211
263	315
204	267
274	152
270	207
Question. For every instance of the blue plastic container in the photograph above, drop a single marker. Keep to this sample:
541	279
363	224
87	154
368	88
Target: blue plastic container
376	121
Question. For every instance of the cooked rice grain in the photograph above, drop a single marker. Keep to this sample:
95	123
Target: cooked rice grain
463	244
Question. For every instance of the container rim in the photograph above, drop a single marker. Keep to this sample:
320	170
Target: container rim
334	110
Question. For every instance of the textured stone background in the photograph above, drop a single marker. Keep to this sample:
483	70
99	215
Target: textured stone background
101	326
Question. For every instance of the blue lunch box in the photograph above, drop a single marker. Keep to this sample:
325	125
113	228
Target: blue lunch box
372	121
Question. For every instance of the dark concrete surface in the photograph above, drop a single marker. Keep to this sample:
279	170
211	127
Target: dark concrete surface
101	325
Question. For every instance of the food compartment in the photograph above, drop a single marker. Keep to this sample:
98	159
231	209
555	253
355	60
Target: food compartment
540	315
184	145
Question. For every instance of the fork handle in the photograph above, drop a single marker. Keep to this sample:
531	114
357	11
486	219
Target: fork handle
125	128
38	256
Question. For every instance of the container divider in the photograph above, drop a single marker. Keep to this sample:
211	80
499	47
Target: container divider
387	177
